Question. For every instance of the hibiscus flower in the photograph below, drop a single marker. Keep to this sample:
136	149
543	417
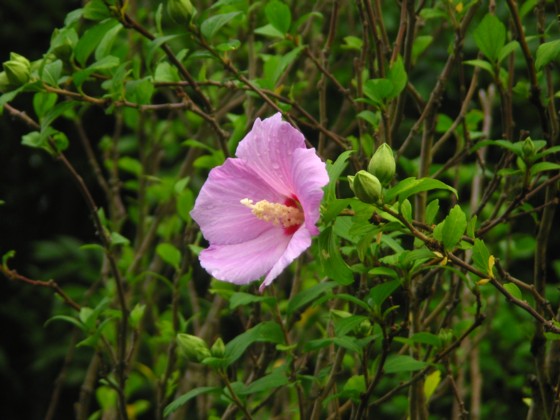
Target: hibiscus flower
258	211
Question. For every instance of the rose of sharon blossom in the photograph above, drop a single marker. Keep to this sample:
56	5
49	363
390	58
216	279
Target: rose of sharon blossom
258	211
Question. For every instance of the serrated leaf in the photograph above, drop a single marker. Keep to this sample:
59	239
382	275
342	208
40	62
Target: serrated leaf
398	77
431	211
490	36
481	256
212	25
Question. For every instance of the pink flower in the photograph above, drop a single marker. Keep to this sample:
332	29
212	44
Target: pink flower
258	211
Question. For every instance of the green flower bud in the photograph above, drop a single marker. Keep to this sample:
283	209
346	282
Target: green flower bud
382	164
180	11
218	348
5	84
18	70
366	187
528	149
193	347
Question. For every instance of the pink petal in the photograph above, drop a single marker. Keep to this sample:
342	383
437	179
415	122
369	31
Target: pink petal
268	149
309	177
248	261
218	211
301	240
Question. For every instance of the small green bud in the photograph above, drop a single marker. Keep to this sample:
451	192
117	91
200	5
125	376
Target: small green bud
5	84
180	11
18	70
193	347
364	328
366	187
382	164
218	348
528	150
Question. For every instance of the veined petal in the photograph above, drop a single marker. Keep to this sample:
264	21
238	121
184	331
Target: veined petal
268	149
248	261
300	241
309	176
218	209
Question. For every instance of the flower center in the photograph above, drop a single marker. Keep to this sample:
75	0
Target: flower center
287	215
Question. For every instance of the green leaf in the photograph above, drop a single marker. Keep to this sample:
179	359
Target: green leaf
170	254
403	363
508	49
547	53
454	227
276	379
544	166
185	398
51	73
96	10
118	239
332	263
244	299
130	165
308	295
431	383
43	101
378	294
431	211
279	15
107	41
490	37
335	170
514	290
398	77
91	39
212	25
411	186
378	90
71	320
406	210
481	256
485	65
265	332
8	256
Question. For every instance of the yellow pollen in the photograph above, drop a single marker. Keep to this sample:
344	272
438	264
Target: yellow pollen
275	213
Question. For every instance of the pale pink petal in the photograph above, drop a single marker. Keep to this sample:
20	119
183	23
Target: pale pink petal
268	149
248	261
309	177
218	210
301	240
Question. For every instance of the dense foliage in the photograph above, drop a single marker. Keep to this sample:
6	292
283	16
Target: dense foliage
432	287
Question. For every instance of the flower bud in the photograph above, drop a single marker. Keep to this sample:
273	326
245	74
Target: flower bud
218	348
382	164
5	84
193	347
180	11
18	69
528	150
366	187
